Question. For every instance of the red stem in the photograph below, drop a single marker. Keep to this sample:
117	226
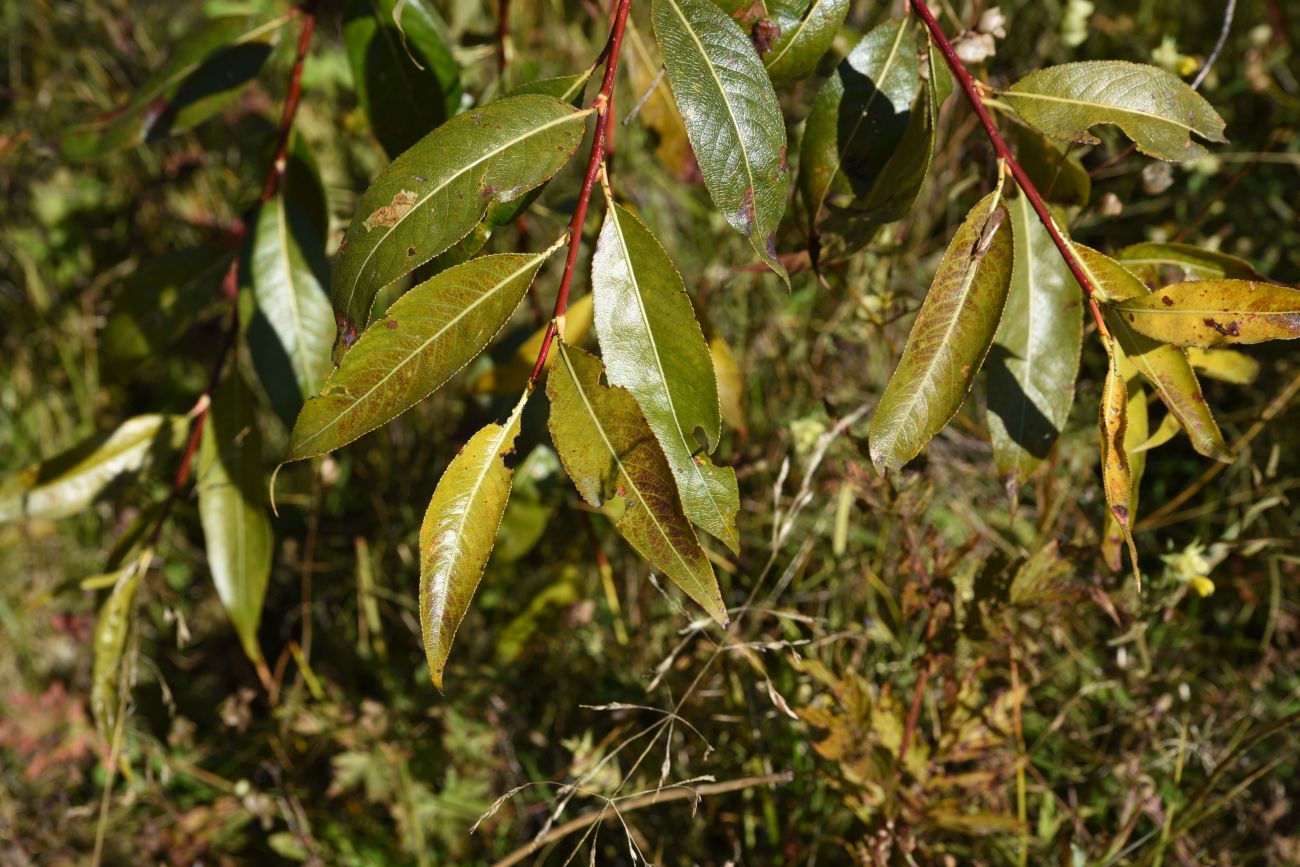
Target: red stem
1027	187
291	100
594	162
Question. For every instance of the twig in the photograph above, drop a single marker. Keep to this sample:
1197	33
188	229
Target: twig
1218	46
609	55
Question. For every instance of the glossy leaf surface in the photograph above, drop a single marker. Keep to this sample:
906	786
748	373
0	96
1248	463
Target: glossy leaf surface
653	346
806	35
1215	313
434	194
423	339
1035	357
949	340
459	529
732	117
1154	108
610	452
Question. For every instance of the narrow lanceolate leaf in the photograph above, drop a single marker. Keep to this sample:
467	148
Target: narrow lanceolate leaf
423	339
1116	474
203	74
1035	355
1165	367
1195	263
232	508
1225	365
951	336
653	346
1214	313
407	81
610	452
732	117
112	631
434	194
459	529
69	482
291	329
731	383
1154	108
806	35
857	123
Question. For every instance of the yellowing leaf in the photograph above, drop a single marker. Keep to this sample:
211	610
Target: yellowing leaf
459	529
1116	473
653	346
1196	263
732	117
1214	313
1165	367
424	338
1035	357
731	383
1225	365
949	340
1154	108
232	507
610	452
435	193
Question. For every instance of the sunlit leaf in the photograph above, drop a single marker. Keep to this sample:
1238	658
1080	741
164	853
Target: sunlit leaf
1154	108
949	340
731	382
458	532
1116	472
434	194
233	509
112	630
732	117
290	327
1195	263
807	31
423	339
510	374
1035	357
1168	429
653	346
610	452
203	74
1225	365
1165	367
406	86
1214	313
69	482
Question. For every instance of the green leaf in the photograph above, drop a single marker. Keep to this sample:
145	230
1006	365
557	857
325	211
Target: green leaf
69	482
569	88
459	529
291	327
732	117
203	74
1212	313
653	346
1055	171
857	124
1225	365
112	629
1035	357
806	35
160	302
610	452
1154	108
232	508
951	336
406	85
1165	367
435	193
423	339
1195	263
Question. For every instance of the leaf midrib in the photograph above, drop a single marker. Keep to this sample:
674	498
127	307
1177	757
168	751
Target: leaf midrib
798	31
1021	94
300	363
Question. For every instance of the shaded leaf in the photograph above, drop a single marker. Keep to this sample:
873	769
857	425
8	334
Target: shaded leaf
232	508
653	346
459	529
610	452
406	79
948	342
1214	313
1116	472
732	117
291	327
659	113
161	301
69	482
510	374
731	383
807	32
423	339
1154	108
434	194
1035	357
203	74
1165	367
1225	365
112	630
1195	263
1056	172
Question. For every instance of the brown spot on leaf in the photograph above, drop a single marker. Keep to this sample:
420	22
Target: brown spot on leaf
1229	330
1166	300
1121	513
349	333
391	324
785	167
765	32
410	251
392	213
